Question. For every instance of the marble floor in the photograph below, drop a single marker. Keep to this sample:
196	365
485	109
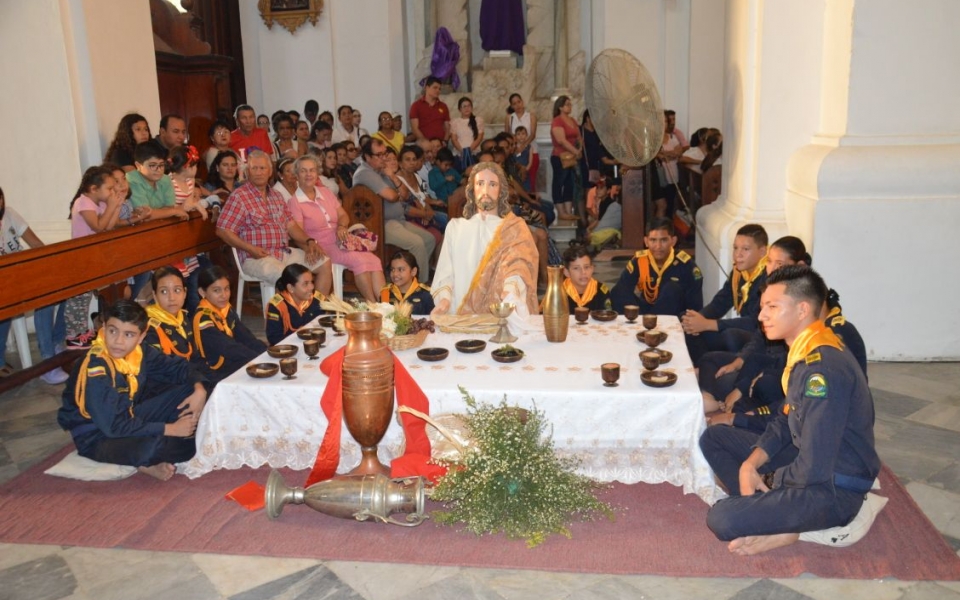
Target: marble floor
918	436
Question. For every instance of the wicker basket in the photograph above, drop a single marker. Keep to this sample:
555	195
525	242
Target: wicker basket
405	342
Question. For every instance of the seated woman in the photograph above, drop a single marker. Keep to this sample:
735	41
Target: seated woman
132	130
223	177
295	304
285	145
219	134
404	286
328	171
286	178
169	329
222	340
317	210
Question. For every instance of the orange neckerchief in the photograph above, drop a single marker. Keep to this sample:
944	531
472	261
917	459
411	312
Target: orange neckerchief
159	317
588	293
129	365
748	278
417	453
644	263
393	291
284	310
217	317
817	334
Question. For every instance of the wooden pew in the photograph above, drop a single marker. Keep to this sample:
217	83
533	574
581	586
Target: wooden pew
39	277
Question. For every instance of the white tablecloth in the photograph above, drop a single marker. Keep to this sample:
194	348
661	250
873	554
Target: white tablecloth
628	433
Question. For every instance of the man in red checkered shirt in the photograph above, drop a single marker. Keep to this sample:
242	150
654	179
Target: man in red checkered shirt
256	222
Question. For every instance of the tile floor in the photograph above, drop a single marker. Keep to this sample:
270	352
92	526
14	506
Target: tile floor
918	435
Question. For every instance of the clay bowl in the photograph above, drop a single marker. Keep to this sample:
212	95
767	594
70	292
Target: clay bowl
263	370
311	333
663	337
282	351
326	320
432	354
507	356
665	355
658	379
603	315
470	346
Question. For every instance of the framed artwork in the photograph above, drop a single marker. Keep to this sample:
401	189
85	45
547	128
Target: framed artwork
291	14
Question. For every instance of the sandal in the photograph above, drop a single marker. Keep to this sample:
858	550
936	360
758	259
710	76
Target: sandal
7	371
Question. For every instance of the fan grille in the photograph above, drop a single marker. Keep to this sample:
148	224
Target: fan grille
625	107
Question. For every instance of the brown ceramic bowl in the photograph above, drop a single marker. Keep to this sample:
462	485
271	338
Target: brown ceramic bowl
326	320
640	336
658	379
432	354
507	356
603	315
282	351
470	346
312	333
263	370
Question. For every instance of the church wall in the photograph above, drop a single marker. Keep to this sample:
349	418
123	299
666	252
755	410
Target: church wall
353	56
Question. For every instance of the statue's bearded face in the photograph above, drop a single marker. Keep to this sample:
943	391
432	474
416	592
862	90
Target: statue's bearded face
486	190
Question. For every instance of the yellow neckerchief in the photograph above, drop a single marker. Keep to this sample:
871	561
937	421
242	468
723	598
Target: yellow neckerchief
158	317
217	317
816	334
394	290
644	263
129	365
588	293
748	278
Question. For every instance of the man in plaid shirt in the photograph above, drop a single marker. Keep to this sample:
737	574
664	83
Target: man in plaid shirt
256	222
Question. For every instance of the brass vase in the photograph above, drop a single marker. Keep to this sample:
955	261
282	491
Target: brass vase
367	388
556	313
361	498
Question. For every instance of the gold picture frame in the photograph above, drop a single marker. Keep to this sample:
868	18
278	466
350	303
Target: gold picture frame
290	13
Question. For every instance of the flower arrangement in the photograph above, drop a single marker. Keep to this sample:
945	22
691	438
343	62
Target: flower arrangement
512	480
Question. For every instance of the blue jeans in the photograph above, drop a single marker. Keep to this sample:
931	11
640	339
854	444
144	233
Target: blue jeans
51	330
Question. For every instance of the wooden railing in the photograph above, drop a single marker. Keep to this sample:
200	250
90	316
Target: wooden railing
43	276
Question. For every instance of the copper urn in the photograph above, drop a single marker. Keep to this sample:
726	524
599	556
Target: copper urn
367	388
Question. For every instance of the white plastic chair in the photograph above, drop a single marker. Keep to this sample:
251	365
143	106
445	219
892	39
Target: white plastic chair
19	327
338	280
267	290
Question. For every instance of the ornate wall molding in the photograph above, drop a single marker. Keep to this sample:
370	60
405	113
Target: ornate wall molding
290	13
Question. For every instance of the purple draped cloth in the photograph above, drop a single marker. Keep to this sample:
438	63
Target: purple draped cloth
501	25
446	55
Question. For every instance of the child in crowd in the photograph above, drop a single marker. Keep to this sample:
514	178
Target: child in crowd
94	208
466	133
522	155
169	329
405	287
129	404
579	285
606	227
223	341
444	179
51	328
182	169
295	304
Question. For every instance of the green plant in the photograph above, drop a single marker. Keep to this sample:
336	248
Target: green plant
513	481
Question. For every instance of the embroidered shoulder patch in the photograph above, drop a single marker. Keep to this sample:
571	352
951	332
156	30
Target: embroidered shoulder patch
683	257
271	316
837	321
319	296
697	274
204	324
816	386
604	288
96	371
276	300
630	267
813	358
424	287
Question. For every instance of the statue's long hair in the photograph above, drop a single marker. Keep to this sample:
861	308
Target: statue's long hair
503	207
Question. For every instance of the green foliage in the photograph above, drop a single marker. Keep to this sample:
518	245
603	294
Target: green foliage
514	482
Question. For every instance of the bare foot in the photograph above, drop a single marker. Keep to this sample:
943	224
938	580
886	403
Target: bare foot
162	471
755	544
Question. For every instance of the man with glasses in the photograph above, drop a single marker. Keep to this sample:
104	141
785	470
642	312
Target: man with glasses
397	230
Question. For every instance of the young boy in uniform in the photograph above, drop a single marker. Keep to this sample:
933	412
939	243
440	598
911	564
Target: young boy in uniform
130	404
580	286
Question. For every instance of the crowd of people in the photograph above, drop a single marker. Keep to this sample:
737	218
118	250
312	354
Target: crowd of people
783	377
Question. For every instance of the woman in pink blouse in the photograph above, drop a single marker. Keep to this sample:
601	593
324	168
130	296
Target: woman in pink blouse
565	134
318	211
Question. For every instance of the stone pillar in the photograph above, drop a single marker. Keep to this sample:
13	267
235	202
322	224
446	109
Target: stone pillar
560	48
540	41
854	148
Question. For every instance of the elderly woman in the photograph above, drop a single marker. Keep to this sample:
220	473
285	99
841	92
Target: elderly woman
219	134
317	210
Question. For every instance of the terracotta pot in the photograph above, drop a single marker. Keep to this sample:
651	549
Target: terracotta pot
367	388
556	313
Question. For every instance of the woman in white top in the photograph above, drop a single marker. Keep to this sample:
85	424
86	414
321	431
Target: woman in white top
466	133
286	178
518	115
328	172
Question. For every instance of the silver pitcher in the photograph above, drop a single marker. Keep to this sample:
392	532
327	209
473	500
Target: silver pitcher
353	497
